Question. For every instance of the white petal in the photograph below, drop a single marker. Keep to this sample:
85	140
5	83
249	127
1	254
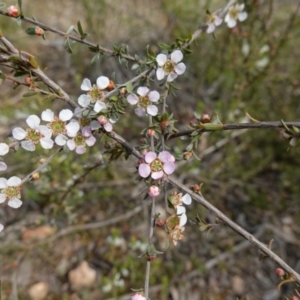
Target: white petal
72	128
86	85
176	56
108	127
61	140
186	199
4	148
231	23
140	112
19	133
3	183
65	115
161	59
171	77
80	150
46	143
152	110
227	18
2	197
33	121
45	131
218	21
71	144
95	125
240	7
180	210
154	96
84	100
91	141
160	74
99	105
14	203
211	28
3	166
14	181
102	82
180	68
242	16
132	99
142	91
78	112
28	145
48	115
183	220
1	227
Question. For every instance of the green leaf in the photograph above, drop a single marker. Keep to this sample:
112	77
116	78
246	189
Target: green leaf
67	46
134	66
20	6
95	58
70	29
30	30
19	73
293	141
2	5
189	147
129	87
33	62
2	76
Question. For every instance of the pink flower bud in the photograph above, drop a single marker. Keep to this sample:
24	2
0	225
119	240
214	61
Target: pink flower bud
39	31
150	132
28	80
13	11
193	122
204	118
160	222
153	191
279	272
294	298
102	120
138	296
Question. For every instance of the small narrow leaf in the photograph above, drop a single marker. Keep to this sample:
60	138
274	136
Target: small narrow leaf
79	27
70	29
95	58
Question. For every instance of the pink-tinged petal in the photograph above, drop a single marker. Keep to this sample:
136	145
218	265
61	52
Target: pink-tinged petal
140	112
152	110
14	203
90	141
176	56
46	143
33	121
169	167
95	125
84	100
132	99
160	74
19	133
14	181
211	28
3	183
1	227
72	128
157	175
218	21
61	140
102	82
86	131
150	157
2	197
165	156
86	85
3	166
142	91
231	23
80	150
28	145
186	199
65	115
180	68
47	115
242	16
4	148
161	59
45	131
180	210
172	76
71	145
108	127
99	105
183	220
144	170
154	96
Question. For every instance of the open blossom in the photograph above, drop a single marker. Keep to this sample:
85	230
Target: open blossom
235	13
157	166
144	101
138	296
95	93
36	133
171	67
81	140
212	22
105	123
11	191
58	125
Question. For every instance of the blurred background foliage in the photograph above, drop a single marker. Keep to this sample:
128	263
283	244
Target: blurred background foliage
252	176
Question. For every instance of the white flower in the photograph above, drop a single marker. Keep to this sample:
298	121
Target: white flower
235	13
170	67
81	140
212	22
4	148
105	123
95	93
36	133
144	101
11	191
58	125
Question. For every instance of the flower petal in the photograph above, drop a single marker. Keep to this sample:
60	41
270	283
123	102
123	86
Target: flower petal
140	112
47	115
28	145
171	77
210	28
65	115
19	133
132	99
150	156
108	127
80	150
1	227
3	166
3	183
154	96
102	82
46	143
90	141
4	148
176	56
180	68
84	100
72	128
142	91
71	145
2	198
95	125
152	110
14	203
161	59
99	105
86	85
33	121
144	170
183	220
218	21
242	16
169	167
160	74
61	140
157	175
180	210
14	181
186	199
231	23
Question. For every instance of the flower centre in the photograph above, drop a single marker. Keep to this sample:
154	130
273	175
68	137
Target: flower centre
211	19
168	66
144	102
33	135
96	94
79	140
156	165
84	122
12	192
58	127
175	200
233	12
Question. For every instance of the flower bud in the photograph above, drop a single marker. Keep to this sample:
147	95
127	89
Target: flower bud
195	188
39	31
102	120
193	122
295	298
13	11
204	118
160	222
35	176
150	132
138	296
153	191
28	80
280	272
42	160
187	155
123	91
110	86
164	126
150	257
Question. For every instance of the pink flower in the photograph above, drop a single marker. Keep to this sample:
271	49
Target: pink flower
138	296
153	191
105	123
13	11
81	140
157	166
280	272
